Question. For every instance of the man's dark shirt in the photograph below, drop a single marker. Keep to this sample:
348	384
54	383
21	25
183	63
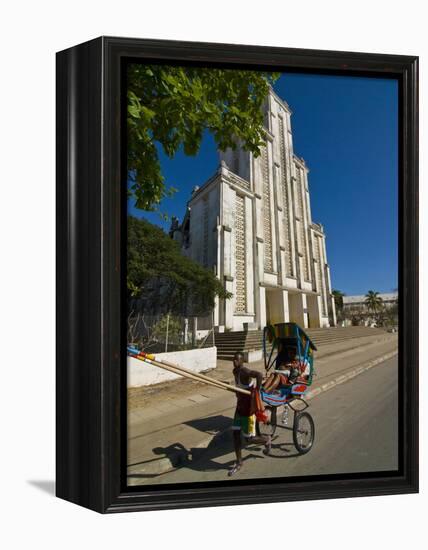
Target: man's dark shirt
243	377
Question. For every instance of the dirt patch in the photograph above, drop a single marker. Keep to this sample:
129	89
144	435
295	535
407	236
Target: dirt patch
142	396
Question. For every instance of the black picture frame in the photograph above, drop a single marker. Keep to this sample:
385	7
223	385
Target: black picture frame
91	356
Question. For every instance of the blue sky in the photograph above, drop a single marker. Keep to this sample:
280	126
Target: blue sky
346	130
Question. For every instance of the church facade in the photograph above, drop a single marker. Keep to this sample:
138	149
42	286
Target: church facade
251	223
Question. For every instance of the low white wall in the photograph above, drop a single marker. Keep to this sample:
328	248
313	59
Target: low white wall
143	374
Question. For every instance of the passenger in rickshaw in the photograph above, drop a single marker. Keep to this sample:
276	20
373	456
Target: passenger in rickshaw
293	370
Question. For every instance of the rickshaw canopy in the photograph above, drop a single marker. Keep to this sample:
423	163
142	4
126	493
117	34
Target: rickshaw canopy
285	335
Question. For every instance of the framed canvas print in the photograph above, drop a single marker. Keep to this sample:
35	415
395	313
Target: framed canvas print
237	275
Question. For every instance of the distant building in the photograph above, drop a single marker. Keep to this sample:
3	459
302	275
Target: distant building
358	303
251	223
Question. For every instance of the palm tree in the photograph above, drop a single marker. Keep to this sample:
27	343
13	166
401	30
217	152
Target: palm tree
373	301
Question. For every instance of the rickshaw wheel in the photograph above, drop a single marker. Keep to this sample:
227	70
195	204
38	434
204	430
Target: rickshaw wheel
268	428
303	432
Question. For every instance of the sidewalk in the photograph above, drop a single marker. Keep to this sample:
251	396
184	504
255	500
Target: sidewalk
175	421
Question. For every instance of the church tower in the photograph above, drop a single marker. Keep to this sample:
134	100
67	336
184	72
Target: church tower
251	223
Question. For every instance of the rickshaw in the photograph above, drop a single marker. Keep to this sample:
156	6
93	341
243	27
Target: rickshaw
277	339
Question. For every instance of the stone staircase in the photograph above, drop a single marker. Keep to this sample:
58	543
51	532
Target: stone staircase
230	342
326	336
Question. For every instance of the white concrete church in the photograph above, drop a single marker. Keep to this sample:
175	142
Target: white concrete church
251	223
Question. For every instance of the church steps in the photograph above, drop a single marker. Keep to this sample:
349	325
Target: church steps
230	342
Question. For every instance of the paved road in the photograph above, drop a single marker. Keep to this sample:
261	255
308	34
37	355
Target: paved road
356	431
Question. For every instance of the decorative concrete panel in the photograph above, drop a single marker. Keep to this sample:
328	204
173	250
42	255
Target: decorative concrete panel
240	256
267	219
285	200
249	240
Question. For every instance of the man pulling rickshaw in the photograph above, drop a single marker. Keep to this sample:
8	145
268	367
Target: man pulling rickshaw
289	371
244	420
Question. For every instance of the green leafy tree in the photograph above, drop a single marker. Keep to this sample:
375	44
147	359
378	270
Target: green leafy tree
338	299
391	314
168	324
161	279
338	302
172	106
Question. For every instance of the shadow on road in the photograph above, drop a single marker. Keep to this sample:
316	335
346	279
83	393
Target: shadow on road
211	424
205	458
283	450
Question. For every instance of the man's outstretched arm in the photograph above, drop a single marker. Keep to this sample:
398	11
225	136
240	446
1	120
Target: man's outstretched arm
254	374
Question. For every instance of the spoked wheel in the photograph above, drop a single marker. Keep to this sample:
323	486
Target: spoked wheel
303	432
269	427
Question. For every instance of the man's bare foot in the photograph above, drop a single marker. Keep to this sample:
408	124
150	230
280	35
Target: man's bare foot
235	468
